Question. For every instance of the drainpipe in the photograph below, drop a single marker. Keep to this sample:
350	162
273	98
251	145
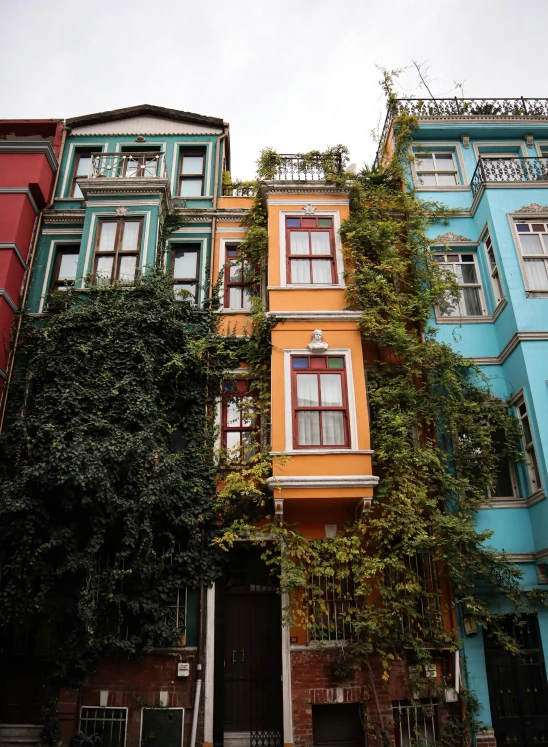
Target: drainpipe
199	657
214	219
26	281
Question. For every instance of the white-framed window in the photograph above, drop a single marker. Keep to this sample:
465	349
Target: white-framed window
528	446
109	723
464	268
493	269
533	246
436	168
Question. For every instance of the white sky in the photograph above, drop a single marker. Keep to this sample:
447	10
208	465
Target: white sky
292	74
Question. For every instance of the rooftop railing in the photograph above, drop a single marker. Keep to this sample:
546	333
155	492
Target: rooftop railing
509	169
128	165
295	167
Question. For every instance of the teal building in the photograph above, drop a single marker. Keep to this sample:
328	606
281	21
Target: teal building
488	160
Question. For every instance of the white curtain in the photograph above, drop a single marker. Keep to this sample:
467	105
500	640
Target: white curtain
127	268
299	242
536	274
333	428
471	302
104	269
184	265
131	233
307	390
67	269
300	271
331	388
247	298
235	298
309	428
530	243
321	271
320	242
108	235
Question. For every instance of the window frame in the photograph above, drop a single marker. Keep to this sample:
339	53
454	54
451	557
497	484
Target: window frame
435	172
295	408
523	257
79	151
57	283
332	256
479	284
493	269
417	148
127	148
239	394
228	283
194	247
117	253
191	150
534	476
105	708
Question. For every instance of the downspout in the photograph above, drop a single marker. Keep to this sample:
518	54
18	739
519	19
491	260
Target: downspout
26	282
199	657
214	219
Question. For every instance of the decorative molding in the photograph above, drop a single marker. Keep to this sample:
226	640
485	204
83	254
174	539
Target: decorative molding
322	481
465	141
317	345
11	304
122	211
309	209
315	316
529	140
33	147
62	231
452	238
534	207
519	557
305	287
18	254
21	191
64	216
295	452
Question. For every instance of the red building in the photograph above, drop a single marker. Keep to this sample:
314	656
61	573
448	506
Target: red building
29	149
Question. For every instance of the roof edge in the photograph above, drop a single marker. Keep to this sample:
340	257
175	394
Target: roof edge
144	109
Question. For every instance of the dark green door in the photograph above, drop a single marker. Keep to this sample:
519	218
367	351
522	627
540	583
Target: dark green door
162	727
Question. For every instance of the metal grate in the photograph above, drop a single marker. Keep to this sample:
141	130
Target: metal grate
427	618
108	723
266	739
416	721
128	165
332	605
175	617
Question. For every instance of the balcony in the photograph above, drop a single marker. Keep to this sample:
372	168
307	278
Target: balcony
509	169
297	168
127	165
471	108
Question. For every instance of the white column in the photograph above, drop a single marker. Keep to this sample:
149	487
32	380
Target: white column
286	679
209	665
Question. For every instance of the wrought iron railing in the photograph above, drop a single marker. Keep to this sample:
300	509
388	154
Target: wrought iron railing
332	608
509	169
455	107
128	165
294	167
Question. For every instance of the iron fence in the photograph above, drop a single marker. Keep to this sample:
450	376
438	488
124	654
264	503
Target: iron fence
509	169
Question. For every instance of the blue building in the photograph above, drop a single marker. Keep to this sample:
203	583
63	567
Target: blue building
488	160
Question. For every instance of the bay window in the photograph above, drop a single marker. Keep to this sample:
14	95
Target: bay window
239	421
117	248
533	242
237	290
320	409
310	251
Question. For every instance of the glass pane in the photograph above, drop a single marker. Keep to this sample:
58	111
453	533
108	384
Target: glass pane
233	413
127	268
331	389
528	436
292	222
335	363
321	271
333	428
231	252
104	270
299	362
185	291
67	267
445	162
193	165
191	187
536	274
537	227
426	179
325	222
531	244
298	242
77	194
424	162
300	271
247	412
235	298
108	236
503	485
308	424
150	166
185	264
84	166
307	390
130	236
471	302
318	361
132	166
233	440
468	274
235	273
320	242
491	258
247	298
447	180
522	227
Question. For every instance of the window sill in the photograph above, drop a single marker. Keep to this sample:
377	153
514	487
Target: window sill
458	320
435	188
305	451
235	311
536	294
531	500
308	286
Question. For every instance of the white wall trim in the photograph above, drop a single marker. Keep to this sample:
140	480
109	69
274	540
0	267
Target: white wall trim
322	481
209	664
305	201
520	143
286	678
175	164
9	301
69	163
18	254
317	316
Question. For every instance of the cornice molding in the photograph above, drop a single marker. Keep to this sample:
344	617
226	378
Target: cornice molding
452	238
32	147
534	207
11	304
21	191
317	316
112	187
531	500
64	216
322	481
18	254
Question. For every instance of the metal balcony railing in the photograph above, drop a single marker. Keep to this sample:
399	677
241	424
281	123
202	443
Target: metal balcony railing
294	167
455	107
128	165
509	169
236	191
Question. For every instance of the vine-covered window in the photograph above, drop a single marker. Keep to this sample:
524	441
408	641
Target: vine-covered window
436	169
533	241
117	249
191	172
237	290
528	446
66	264
493	270
185	269
310	251
320	405
464	267
239	421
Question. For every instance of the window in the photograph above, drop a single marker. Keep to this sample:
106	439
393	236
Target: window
185	264
436	169
175	618
82	167
237	291
533	240
108	723
66	264
415	721
504	486
141	161
320	416
493	270
332	606
310	251
117	250
465	270
528	446
191	172
239	423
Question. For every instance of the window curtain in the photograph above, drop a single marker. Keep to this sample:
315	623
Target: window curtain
536	274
